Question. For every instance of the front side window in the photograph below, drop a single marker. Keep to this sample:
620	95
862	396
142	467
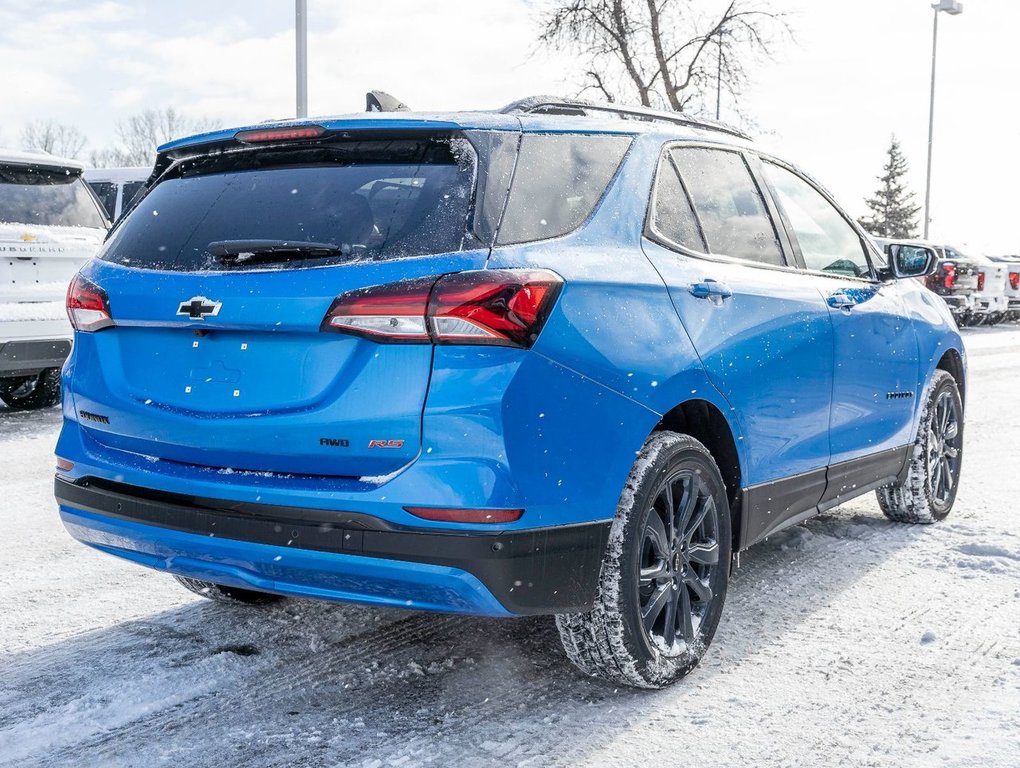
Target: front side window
49	197
827	241
730	210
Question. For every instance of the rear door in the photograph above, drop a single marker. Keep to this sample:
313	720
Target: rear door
876	375
760	328
221	361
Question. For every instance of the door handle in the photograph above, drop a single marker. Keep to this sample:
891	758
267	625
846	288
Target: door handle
710	289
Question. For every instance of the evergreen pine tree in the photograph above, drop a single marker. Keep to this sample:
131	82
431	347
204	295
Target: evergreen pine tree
893	212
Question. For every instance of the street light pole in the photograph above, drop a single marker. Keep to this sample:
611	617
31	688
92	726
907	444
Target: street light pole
301	40
953	8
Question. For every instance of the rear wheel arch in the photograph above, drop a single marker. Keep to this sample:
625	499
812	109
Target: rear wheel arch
704	422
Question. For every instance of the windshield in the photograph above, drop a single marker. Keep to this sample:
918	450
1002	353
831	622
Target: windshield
47	197
370	199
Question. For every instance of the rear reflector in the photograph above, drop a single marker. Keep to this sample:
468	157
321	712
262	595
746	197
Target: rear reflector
444	515
1014	281
280	134
88	306
502	307
981	281
64	465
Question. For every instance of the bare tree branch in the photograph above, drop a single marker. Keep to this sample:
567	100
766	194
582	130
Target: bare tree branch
56	138
664	52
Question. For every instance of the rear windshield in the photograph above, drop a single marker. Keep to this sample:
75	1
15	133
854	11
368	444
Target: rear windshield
47	197
371	200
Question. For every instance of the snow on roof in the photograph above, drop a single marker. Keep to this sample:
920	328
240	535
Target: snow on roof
19	157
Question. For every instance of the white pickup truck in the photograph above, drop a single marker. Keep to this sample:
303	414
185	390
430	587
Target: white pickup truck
50	224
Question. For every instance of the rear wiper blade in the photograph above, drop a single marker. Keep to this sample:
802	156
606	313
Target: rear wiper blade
250	251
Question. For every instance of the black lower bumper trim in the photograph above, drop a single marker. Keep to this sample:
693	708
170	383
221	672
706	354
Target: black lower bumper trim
537	571
24	358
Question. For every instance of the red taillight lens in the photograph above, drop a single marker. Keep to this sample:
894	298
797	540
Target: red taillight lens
280	134
1014	281
393	312
445	515
505	307
88	306
950	277
981	281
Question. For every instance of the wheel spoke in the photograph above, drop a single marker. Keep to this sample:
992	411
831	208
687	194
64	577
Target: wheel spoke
654	572
686	619
701	590
952	452
704	554
669	621
953	430
936	480
947	475
697	517
670	529
943	414
659	600
656	533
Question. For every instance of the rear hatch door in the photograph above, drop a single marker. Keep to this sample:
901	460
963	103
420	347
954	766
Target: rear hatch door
219	360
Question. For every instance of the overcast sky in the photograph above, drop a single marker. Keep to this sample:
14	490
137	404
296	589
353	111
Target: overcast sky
857	73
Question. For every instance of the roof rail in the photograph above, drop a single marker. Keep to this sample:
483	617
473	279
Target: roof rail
555	105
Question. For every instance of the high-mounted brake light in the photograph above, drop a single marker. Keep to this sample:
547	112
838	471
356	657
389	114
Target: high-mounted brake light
503	307
950	279
280	134
981	281
447	515
1014	281
88	306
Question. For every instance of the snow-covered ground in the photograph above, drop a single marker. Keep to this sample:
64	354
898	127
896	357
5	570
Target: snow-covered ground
846	641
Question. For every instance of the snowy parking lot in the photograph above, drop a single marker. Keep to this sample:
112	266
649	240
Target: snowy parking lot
849	640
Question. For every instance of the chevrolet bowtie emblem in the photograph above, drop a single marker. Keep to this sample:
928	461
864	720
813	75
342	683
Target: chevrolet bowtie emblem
199	308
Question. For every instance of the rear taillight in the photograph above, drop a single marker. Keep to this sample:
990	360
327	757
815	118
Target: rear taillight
949	280
505	307
1014	281
981	281
88	306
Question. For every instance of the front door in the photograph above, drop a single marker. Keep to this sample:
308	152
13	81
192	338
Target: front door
876	369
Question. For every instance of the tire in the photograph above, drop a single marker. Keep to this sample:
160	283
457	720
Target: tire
36	392
644	567
224	594
929	491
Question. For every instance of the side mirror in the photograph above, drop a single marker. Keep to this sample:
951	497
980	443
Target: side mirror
910	260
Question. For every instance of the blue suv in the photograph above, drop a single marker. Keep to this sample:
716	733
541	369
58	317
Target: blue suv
560	359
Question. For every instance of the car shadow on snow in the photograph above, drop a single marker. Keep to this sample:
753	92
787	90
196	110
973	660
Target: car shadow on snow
29	423
310	682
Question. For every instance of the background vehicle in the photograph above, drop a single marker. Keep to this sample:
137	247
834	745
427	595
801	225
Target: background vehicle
955	279
116	187
409	360
50	224
1012	265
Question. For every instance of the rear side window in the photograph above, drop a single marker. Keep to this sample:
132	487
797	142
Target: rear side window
371	200
827	241
106	191
47	197
672	214
558	181
729	207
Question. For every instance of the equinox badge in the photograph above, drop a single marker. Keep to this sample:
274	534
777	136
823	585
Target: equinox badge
199	308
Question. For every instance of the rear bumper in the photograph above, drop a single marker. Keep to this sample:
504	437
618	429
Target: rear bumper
26	357
339	555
